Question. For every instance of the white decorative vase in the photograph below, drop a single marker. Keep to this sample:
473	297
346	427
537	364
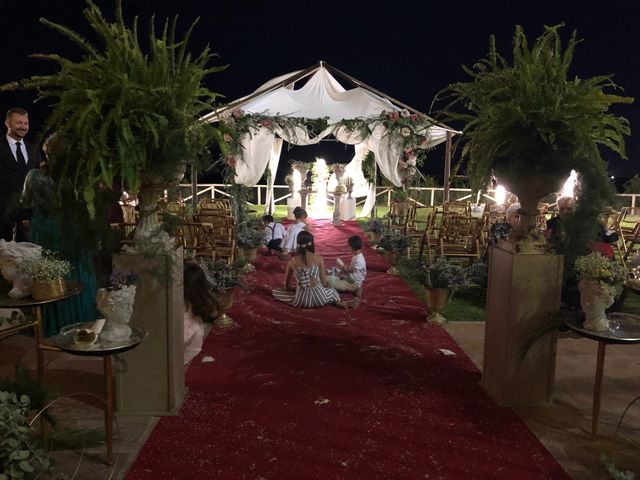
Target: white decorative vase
117	307
595	298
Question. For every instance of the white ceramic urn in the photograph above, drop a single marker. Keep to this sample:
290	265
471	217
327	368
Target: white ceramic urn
117	307
595	298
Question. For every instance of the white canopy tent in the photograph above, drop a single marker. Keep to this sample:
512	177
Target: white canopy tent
322	96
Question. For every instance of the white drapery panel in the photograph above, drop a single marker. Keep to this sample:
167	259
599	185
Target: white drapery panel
361	187
321	97
259	150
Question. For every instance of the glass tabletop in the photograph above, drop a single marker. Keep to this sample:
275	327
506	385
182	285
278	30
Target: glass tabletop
65	341
623	328
72	288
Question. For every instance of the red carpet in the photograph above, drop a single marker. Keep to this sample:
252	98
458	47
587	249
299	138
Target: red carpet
338	394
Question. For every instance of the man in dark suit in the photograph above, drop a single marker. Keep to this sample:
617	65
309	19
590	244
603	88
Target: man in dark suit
17	157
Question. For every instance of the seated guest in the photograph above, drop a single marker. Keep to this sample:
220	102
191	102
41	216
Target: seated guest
302	223
502	230
274	233
566	206
311	290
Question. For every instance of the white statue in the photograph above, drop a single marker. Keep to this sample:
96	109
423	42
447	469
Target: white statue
12	257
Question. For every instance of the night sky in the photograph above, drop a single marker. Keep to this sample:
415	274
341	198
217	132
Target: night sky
409	50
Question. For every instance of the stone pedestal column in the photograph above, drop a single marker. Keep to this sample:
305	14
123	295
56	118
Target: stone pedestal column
336	207
150	378
522	289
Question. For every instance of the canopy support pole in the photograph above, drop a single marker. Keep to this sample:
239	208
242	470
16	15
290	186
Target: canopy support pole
194	189
447	167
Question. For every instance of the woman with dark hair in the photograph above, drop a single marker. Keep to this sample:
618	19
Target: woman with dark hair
55	226
198	304
311	290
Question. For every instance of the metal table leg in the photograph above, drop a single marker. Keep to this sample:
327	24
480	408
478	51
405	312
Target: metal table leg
597	388
108	412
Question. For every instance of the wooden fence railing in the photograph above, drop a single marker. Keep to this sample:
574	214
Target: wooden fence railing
428	196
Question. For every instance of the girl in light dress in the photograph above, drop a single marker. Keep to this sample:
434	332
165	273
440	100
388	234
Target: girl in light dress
289	240
310	273
199	303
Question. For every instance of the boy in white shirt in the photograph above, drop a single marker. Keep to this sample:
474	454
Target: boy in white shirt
350	279
273	235
289	244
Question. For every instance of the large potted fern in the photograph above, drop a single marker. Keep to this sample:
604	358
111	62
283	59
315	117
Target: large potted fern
128	110
530	123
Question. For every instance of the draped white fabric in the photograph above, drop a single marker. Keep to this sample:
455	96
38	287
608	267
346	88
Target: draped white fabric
321	97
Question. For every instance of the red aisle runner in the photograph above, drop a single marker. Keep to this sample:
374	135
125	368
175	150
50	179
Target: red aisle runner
338	394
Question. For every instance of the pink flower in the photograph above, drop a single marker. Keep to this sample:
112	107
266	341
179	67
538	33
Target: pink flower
424	141
238	113
227	137
414	117
408	152
394	115
231	161
265	123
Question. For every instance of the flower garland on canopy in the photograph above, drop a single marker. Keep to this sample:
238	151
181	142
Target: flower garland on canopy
410	128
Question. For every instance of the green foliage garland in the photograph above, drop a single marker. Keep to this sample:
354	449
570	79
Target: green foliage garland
408	127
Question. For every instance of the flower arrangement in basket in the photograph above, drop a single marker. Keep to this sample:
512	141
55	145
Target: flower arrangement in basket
376	225
221	275
598	268
443	274
119	279
48	273
597	279
394	241
250	234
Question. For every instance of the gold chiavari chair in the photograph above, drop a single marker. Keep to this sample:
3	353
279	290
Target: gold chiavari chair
459	236
223	234
460	207
196	239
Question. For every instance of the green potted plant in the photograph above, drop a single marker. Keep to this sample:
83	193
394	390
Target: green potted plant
222	277
375	227
250	237
48	273
127	111
531	123
394	243
441	279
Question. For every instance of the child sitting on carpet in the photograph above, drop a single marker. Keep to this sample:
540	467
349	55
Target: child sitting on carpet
311	279
302	223
350	279
273	236
199	303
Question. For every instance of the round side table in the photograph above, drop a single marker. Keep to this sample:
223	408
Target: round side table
623	329
65	342
72	288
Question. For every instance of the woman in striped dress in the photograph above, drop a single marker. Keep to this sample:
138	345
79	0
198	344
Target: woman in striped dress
310	273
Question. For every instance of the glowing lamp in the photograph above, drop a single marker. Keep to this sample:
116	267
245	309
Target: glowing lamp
501	195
